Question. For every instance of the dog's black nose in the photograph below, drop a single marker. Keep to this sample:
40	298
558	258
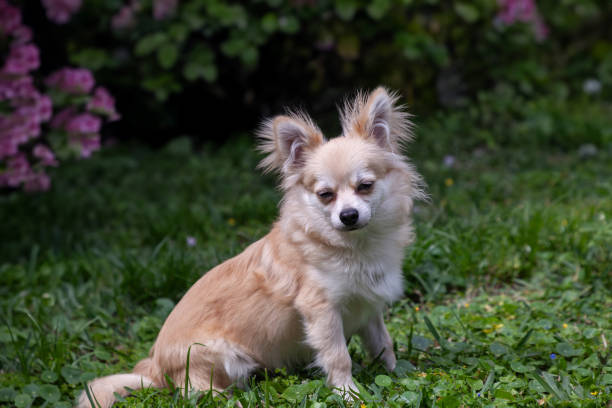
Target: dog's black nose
349	216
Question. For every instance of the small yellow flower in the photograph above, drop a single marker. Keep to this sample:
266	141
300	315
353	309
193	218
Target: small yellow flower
498	326
362	405
594	393
449	182
466	305
422	374
416	308
565	325
231	222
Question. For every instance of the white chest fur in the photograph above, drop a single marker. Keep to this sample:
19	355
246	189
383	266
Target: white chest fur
361	283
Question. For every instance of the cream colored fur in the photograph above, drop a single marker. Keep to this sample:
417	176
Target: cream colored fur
295	296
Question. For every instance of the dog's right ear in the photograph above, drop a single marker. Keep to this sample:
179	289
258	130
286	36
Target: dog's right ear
287	140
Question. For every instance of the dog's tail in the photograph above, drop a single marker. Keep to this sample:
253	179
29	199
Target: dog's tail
102	390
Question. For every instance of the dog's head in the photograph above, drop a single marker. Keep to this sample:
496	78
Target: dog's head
349	182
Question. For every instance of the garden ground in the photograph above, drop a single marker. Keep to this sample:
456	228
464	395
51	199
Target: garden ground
508	294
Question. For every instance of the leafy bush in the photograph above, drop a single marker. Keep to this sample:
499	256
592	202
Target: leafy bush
31	135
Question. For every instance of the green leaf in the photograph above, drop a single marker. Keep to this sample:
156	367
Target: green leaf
167	55
498	349
411	397
421	343
71	374
403	367
288	24
467	11
149	43
250	56
48	376
299	391
269	22
193	71
346	9
33	390
7	394
606	379
520	367
590	332
92	58
378	8
50	393
503	394
475	384
449	401
567	350
178	32
383	380
23	401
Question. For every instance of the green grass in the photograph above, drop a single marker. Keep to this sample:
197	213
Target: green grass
513	262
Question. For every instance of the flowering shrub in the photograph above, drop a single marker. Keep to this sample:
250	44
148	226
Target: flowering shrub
27	145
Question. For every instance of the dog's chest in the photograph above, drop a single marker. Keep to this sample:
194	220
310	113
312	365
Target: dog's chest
361	285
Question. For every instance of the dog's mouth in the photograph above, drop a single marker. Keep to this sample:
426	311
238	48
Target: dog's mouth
349	228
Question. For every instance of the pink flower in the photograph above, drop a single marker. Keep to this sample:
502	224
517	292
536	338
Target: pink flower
17	171
44	108
22	35
124	18
72	80
163	9
10	18
523	11
61	118
22	59
46	156
103	103
85	144
60	11
8	147
84	123
38	181
21	87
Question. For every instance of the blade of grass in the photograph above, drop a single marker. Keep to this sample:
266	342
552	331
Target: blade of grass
549	385
488	382
434	332
523	339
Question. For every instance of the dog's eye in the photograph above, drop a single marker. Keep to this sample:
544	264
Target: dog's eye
325	195
365	187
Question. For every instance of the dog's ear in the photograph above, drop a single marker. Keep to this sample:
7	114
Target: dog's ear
287	140
378	118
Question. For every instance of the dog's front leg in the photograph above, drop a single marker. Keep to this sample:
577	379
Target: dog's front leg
377	341
325	334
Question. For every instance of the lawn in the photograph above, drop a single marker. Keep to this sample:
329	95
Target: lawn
508	285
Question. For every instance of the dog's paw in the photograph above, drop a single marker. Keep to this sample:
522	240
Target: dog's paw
348	391
389	360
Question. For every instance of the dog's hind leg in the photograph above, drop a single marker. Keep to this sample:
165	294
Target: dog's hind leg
214	366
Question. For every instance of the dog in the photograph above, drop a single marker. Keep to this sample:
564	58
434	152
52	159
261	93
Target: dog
326	270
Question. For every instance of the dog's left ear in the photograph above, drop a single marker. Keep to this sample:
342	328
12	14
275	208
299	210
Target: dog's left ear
378	118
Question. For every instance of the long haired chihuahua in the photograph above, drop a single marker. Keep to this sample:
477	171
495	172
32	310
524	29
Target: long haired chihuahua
326	270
